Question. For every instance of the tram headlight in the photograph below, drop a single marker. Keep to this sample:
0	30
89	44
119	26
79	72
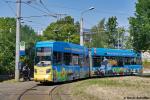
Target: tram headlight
48	71
35	70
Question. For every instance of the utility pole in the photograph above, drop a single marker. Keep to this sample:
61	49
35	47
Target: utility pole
81	31
118	39
90	60
18	18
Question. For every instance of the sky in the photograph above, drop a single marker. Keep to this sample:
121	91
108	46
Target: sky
122	9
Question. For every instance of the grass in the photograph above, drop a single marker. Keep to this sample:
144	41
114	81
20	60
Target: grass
109	82
113	88
146	65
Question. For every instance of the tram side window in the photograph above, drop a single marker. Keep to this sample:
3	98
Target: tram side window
120	61
133	61
97	61
57	58
67	58
138	61
75	59
81	60
113	61
87	62
127	61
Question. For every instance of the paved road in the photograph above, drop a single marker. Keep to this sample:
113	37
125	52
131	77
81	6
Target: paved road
37	93
146	72
25	91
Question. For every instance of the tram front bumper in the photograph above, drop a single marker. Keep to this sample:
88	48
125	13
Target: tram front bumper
43	78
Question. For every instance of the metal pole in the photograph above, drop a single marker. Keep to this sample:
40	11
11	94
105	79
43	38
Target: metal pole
81	31
118	39
17	39
81	25
91	62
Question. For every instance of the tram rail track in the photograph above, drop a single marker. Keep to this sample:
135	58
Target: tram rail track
30	96
23	93
51	92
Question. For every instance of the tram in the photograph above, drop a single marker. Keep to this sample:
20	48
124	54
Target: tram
57	61
60	61
111	62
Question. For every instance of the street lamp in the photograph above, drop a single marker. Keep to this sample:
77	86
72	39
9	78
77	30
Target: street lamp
81	25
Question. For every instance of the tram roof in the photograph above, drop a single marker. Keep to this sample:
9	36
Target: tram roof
63	47
114	52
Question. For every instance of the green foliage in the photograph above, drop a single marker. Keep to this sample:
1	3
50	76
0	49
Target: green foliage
99	37
107	35
7	44
41	38
111	31
63	30
121	36
146	64
121	32
7	47
128	43
140	26
7	24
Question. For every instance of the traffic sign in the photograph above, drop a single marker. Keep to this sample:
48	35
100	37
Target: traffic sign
22	48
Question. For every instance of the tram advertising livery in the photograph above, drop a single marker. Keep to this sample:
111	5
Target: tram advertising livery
62	61
109	62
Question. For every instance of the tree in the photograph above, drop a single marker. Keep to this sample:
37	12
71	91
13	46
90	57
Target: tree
128	43
63	30
7	47
140	26
111	31
99	36
121	37
7	43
